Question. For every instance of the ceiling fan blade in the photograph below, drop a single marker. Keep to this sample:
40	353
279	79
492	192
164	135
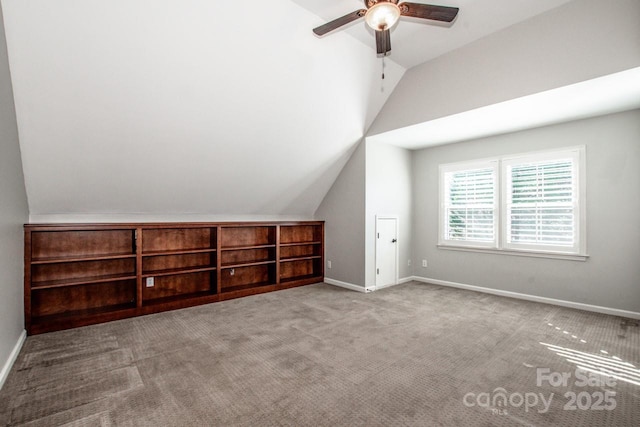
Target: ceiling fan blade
383	42
337	23
428	11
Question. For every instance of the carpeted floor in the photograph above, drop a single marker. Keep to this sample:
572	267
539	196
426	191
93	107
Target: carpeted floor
414	354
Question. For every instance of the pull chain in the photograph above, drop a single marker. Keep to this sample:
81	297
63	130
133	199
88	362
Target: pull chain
383	66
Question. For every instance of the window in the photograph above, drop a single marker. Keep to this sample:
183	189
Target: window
521	203
470	197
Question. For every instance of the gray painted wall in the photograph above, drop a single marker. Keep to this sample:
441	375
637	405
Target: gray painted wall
611	275
377	180
579	41
343	211
389	192
13	213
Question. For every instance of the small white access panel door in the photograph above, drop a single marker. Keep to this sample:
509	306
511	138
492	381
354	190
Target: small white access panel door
386	251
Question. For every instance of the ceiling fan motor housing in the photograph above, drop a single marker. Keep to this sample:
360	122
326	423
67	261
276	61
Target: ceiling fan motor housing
382	15
370	3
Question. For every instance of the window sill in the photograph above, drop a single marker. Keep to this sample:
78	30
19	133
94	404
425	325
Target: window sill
533	254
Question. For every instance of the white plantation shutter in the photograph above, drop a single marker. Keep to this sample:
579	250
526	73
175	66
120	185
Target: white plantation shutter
469	206
541	202
529	203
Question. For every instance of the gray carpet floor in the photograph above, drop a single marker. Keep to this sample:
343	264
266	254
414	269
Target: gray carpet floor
414	354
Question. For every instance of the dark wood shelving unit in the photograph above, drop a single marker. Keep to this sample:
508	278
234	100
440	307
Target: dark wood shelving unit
81	274
301	252
180	261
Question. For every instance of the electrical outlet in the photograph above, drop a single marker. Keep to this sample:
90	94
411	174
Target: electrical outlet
150	282
424	263
328	264
409	263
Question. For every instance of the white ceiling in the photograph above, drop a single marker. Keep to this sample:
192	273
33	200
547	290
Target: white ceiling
604	95
414	41
139	107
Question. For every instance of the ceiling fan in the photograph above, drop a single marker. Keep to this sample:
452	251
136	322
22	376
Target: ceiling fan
381	15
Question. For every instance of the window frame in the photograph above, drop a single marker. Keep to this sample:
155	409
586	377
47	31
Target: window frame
456	167
576	252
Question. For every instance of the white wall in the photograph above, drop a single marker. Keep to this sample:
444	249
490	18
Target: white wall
13	213
388	192
611	275
343	211
578	41
185	110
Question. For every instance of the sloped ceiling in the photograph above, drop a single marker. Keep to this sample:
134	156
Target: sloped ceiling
562	65
610	94
156	108
161	107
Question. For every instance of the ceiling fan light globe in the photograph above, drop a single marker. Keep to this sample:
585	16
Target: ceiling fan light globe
382	15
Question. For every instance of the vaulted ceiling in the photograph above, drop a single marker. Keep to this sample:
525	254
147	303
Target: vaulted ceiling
205	107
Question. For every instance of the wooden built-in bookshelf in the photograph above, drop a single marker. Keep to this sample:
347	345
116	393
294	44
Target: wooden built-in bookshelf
81	274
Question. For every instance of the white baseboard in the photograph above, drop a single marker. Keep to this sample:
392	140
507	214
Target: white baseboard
357	288
399	282
527	297
346	285
12	358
